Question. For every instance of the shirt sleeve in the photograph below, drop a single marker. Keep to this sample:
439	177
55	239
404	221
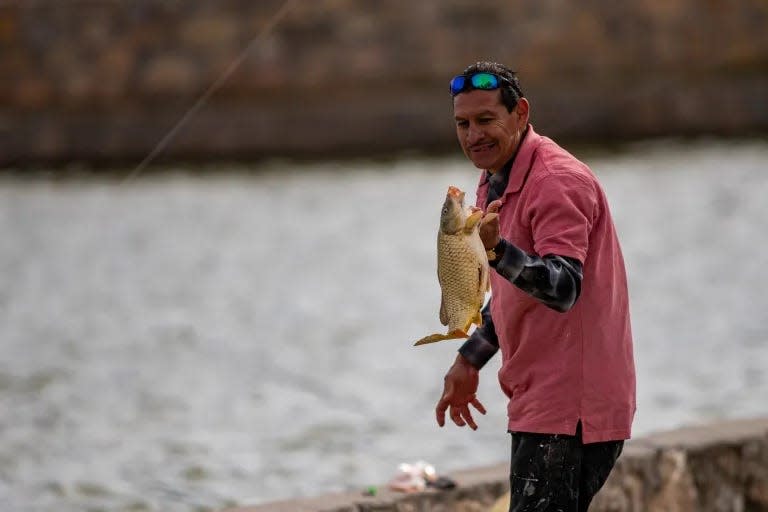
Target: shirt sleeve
483	343
561	210
553	279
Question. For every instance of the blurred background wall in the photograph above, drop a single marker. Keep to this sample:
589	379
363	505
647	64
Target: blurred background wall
102	81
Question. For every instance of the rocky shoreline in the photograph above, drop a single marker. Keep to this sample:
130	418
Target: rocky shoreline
721	467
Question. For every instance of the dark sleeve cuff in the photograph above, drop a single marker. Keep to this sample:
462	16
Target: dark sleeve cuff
512	261
477	350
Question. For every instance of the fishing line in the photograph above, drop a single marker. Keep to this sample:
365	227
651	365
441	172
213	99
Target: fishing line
203	99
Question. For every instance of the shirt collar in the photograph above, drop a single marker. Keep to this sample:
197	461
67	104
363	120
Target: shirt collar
497	182
523	159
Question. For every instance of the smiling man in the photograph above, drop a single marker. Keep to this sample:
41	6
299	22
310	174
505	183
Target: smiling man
559	311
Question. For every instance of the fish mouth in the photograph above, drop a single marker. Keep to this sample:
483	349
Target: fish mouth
456	193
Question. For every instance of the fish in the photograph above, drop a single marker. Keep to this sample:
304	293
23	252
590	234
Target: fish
462	268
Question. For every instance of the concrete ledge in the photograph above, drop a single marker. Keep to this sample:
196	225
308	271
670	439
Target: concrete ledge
722	467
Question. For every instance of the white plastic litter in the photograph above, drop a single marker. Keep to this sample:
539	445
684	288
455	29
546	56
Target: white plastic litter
413	477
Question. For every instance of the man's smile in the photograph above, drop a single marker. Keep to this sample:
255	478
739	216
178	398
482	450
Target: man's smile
479	148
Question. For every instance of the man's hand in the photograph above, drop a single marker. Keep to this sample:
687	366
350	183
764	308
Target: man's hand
458	392
489	225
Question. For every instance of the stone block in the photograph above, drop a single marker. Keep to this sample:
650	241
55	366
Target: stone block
718	468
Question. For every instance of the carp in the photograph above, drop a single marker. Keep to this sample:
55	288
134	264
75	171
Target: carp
462	268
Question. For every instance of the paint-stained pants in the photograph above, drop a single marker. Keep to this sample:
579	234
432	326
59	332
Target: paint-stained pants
558	473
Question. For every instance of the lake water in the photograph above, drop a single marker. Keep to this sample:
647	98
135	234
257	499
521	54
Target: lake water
189	342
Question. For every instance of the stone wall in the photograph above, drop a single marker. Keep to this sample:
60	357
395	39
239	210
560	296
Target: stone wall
106	79
716	468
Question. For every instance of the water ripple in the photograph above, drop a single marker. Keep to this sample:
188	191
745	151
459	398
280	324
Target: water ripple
191	343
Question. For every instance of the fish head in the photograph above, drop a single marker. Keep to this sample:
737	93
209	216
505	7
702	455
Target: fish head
453	215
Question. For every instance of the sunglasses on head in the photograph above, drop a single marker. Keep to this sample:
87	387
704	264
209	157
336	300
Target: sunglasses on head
482	80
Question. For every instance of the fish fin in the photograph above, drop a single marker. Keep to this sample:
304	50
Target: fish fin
471	320
443	314
472	220
433	338
485	278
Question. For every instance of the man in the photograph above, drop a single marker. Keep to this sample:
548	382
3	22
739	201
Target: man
559	309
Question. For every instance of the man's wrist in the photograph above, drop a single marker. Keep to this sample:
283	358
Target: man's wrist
476	351
497	252
509	260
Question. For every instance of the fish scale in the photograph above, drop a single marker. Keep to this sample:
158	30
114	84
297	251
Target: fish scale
462	269
459	271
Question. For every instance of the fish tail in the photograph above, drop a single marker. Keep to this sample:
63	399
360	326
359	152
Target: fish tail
434	338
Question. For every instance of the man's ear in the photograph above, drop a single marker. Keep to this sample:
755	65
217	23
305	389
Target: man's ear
523	110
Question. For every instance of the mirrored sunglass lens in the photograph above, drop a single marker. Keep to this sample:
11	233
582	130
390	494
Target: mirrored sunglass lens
484	81
457	85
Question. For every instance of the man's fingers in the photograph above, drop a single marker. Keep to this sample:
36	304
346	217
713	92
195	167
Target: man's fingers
442	405
457	407
467	417
461	415
494	207
456	415
479	406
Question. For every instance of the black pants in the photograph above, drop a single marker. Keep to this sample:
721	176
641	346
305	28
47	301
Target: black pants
558	473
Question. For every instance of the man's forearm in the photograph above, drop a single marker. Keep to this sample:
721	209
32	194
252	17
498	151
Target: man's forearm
483	343
552	279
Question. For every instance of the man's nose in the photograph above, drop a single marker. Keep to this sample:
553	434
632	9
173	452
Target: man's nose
474	134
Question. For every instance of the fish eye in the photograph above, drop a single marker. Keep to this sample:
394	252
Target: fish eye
445	210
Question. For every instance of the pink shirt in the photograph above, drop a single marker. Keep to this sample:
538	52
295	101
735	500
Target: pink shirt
559	368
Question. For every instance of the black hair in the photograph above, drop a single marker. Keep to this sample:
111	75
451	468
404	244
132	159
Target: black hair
510	86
